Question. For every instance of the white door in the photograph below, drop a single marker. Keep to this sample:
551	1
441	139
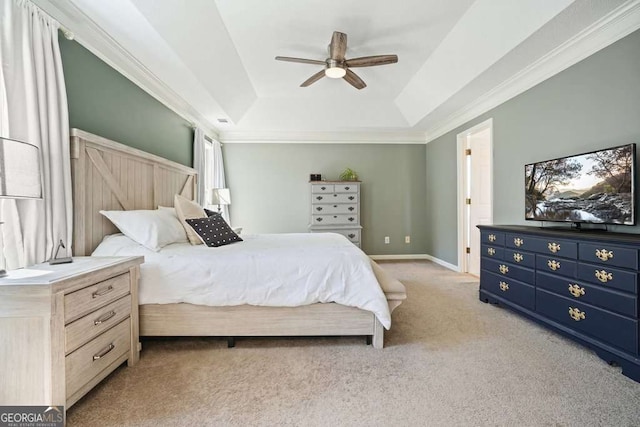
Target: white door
480	193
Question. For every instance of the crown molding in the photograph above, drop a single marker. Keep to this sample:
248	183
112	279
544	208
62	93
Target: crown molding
90	35
614	26
286	137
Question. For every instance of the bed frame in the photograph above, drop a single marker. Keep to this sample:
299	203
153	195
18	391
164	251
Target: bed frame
111	176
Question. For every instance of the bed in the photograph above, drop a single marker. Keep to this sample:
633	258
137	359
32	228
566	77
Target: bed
111	176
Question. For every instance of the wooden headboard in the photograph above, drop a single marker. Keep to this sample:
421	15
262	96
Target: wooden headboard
108	175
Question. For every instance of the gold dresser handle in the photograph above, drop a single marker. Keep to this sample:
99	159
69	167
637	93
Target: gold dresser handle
576	314
492	237
553	247
504	286
604	254
553	264
104	352
491	251
100	320
503	269
603	276
518	241
576	290
518	257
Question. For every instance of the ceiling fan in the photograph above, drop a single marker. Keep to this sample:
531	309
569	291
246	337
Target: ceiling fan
336	66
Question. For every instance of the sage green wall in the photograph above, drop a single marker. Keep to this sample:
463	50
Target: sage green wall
591	105
270	190
104	102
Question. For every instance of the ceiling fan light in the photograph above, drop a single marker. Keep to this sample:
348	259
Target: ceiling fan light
335	72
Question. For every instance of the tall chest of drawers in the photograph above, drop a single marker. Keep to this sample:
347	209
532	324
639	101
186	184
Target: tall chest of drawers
66	327
335	208
582	284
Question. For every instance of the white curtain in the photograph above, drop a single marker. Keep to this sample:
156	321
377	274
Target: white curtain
207	160
33	108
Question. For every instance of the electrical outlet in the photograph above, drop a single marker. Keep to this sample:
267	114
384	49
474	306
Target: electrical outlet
386	240
407	239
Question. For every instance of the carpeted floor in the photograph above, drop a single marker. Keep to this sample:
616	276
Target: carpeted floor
448	360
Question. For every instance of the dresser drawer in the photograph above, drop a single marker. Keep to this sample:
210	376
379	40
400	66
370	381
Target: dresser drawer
609	255
334	219
563	267
510	289
341	208
492	238
504	269
334	198
606	326
522	242
556	247
608	277
352	235
322	188
595	295
84	301
93	324
525	259
346	188
495	252
95	356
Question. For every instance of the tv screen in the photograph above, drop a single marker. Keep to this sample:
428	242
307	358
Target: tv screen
596	187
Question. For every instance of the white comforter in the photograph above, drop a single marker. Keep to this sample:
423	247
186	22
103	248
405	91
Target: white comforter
279	270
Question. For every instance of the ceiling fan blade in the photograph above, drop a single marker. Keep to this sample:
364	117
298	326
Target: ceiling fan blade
354	80
338	46
311	80
370	61
300	60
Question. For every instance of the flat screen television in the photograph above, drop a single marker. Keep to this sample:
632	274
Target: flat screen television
596	187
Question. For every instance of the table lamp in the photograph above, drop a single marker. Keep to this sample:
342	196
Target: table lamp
19	173
220	197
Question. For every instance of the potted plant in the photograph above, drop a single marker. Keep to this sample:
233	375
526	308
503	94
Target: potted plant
348	175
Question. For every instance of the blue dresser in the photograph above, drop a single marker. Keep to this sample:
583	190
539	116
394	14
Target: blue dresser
582	284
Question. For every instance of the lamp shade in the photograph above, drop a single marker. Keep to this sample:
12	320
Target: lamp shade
19	170
220	196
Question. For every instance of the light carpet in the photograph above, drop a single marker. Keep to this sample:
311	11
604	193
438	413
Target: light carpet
449	359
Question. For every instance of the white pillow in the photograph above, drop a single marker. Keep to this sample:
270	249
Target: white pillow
153	229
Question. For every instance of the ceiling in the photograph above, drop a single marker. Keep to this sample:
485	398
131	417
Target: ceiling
214	59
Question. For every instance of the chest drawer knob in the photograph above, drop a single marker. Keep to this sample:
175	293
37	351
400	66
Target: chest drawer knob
576	290
100	320
604	254
319	219
102	353
323	188
335	206
576	314
554	247
504	286
603	276
351	236
491	251
351	208
347	188
102	292
553	264
518	242
503	269
319	208
518	257
351	219
492	237
319	198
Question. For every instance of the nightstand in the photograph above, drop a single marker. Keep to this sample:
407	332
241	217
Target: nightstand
66	327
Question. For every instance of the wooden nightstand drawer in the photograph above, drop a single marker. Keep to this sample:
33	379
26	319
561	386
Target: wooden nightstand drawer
92	358
84	301
88	327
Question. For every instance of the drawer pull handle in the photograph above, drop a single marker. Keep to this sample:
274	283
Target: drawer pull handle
351	236
352	219
323	188
100	320
604	254
351	197
319	198
576	314
503	269
319	208
335	195
553	264
504	286
351	208
335	216
603	276
335	206
491	251
492	237
554	247
518	257
104	352
319	219
347	188
576	290
518	241
102	292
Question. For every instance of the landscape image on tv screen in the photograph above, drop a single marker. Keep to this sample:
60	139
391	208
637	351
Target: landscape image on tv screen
594	187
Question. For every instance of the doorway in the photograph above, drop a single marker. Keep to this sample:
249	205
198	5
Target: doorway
475	192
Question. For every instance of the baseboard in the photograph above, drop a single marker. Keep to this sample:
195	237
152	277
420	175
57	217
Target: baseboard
442	263
398	257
